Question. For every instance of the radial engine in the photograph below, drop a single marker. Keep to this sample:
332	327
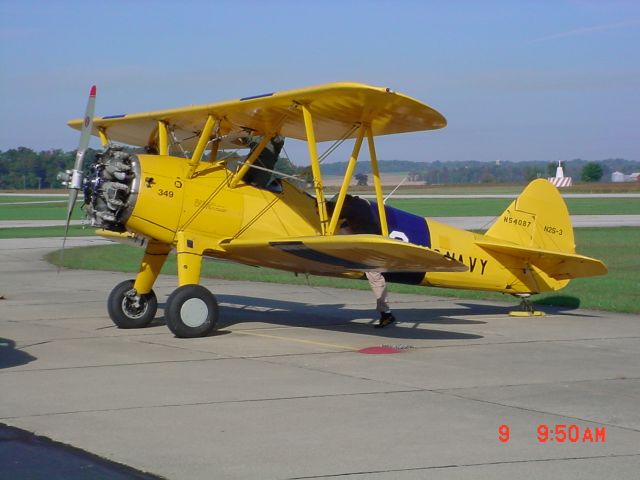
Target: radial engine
111	189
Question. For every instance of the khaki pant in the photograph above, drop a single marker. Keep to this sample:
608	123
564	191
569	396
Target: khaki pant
379	289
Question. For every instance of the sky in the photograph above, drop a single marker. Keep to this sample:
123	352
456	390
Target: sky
517	80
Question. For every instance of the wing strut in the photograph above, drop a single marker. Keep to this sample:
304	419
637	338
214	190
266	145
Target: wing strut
163	138
376	182
249	161
351	166
315	168
104	138
364	128
202	144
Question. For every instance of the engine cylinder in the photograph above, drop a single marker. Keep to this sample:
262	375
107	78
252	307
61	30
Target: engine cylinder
111	190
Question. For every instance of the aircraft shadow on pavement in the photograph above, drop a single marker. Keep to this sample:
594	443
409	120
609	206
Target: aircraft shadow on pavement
12	357
237	309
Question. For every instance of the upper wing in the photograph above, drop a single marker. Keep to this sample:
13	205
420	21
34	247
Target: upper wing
335	107
338	254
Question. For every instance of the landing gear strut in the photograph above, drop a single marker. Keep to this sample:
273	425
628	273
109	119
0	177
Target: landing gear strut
190	311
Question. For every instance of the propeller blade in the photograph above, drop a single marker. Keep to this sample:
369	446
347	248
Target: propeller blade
75	181
76	174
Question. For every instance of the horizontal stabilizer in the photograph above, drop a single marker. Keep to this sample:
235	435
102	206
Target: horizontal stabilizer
558	265
327	255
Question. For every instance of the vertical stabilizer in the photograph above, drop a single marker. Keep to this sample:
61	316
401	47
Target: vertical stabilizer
538	218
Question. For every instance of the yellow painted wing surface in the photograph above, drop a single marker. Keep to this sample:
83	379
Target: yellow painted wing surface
331	255
335	107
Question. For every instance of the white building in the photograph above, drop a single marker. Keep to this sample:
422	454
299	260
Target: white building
618	177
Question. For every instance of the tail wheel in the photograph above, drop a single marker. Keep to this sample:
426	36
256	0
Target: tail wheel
127	309
191	311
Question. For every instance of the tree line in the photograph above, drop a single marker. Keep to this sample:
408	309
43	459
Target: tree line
23	168
437	172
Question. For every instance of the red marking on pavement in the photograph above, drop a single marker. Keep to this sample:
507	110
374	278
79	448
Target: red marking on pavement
382	350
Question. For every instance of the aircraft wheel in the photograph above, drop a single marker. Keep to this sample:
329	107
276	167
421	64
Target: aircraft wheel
128	310
191	311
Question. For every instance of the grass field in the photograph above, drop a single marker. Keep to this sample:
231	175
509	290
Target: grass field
7	199
456	207
486	189
427	207
35	232
38	211
617	291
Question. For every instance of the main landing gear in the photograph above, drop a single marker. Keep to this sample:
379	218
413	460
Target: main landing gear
127	309
190	311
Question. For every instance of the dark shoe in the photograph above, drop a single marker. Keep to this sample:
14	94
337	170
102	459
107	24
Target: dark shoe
385	319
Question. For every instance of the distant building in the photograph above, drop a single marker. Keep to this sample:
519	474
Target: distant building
560	180
618	177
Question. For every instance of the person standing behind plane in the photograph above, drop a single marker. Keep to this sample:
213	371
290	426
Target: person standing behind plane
357	217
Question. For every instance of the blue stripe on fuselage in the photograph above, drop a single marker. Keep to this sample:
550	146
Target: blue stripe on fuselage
412	226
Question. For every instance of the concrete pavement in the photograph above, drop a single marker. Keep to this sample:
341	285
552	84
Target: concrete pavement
282	390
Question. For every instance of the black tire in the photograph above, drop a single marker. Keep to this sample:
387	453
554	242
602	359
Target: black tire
191	311
127	311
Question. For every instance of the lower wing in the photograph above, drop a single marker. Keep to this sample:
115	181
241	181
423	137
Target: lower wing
339	254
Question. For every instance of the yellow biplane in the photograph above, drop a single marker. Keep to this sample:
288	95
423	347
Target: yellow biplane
181	195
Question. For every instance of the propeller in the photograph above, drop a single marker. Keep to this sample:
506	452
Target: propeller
75	176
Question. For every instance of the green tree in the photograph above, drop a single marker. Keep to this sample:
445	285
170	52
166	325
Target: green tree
532	172
487	177
591	172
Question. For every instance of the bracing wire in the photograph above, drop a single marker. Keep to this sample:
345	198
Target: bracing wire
338	142
175	141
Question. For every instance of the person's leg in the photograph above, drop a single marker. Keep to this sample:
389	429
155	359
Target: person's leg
379	289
